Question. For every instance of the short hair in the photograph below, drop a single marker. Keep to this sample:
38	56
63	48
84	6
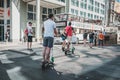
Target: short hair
50	15
69	24
29	23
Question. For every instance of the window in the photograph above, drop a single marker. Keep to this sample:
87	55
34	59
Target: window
1	21
81	13
31	12
91	2
83	5
84	0
49	11
91	8
30	16
94	16
2	3
72	11
91	16
76	12
44	10
8	21
84	14
62	0
8	3
88	15
30	7
75	3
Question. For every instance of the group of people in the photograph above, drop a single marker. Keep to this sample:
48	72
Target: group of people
94	38
49	30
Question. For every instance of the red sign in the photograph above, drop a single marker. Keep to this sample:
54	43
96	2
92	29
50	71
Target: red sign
1	12
8	12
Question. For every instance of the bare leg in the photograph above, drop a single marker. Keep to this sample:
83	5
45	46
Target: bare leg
27	45
84	42
30	45
48	54
44	53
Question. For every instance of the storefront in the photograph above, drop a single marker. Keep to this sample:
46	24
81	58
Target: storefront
4	19
15	14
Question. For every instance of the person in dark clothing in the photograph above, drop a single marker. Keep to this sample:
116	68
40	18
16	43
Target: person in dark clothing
95	38
85	37
91	38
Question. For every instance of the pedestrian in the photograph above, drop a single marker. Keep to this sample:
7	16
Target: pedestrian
91	38
69	32
29	34
101	39
25	36
85	37
7	36
49	28
95	38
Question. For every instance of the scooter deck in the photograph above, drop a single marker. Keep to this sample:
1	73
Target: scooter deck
46	66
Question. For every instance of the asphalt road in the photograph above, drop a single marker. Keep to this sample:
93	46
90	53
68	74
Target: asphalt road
86	64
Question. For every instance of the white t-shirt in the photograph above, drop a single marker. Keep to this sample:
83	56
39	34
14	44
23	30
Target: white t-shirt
49	26
30	30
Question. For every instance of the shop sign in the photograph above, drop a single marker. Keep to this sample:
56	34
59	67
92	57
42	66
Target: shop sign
60	23
86	26
111	29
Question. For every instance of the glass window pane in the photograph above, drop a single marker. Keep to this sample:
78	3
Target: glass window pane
44	11
34	16
30	7
62	0
8	21
44	17
8	3
30	16
34	8
49	11
1	21
2	3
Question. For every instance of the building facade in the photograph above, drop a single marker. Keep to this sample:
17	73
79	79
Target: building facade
15	14
4	18
90	9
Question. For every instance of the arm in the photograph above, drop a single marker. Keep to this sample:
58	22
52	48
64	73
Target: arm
43	28
73	30
55	31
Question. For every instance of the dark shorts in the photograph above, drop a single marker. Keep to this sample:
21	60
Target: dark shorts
91	40
85	38
29	38
48	42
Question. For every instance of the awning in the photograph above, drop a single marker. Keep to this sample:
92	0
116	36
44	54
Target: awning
47	3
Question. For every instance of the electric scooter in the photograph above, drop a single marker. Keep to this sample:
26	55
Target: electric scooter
71	49
46	65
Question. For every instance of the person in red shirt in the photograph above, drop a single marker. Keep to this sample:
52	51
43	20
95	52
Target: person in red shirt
69	31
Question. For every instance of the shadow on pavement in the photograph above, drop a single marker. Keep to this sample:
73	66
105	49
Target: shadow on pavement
3	73
28	70
108	71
